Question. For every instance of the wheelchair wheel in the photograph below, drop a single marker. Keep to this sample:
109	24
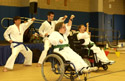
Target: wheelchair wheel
52	68
85	79
70	73
70	76
87	61
105	67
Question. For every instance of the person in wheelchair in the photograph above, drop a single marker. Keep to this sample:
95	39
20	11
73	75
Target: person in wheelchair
85	34
59	40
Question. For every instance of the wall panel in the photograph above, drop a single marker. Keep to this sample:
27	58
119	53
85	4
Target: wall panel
117	7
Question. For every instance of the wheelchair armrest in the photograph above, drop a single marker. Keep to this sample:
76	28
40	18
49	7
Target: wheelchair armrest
87	46
76	42
81	41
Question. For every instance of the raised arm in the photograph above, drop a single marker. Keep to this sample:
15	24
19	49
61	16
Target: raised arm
70	20
27	24
62	19
87	28
87	24
68	25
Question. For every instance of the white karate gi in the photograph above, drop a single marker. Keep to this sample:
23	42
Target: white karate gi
67	52
12	33
47	28
100	53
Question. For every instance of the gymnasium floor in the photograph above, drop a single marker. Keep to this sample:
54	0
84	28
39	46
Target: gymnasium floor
116	72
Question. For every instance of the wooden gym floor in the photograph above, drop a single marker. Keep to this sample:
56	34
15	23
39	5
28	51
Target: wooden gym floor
116	72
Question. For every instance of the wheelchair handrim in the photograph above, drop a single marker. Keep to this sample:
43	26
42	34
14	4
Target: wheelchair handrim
61	69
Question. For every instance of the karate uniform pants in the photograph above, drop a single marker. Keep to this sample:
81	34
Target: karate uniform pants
100	53
15	51
47	45
73	57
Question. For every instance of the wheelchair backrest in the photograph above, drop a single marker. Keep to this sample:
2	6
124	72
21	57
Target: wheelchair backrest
75	39
75	44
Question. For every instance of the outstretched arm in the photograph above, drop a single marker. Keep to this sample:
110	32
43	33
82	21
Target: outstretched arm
61	19
27	24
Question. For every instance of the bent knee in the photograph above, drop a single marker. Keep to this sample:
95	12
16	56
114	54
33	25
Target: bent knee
30	52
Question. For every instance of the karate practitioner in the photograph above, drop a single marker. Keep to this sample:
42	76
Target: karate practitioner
45	30
14	35
59	40
85	34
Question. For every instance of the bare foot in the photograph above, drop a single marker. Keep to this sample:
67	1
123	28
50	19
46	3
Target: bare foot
27	65
5	69
38	65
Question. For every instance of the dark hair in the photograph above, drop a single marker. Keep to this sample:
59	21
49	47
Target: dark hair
16	18
58	26
80	26
50	13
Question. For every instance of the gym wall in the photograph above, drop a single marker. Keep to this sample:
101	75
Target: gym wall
84	10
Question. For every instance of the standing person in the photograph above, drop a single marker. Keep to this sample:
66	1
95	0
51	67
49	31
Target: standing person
85	34
14	35
45	30
59	40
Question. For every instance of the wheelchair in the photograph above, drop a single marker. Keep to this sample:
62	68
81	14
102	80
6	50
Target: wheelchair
85	52
55	67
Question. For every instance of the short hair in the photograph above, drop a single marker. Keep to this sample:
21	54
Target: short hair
50	13
58	26
80	26
16	18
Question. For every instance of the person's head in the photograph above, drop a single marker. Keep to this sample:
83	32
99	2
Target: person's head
17	20
60	27
50	16
81	28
